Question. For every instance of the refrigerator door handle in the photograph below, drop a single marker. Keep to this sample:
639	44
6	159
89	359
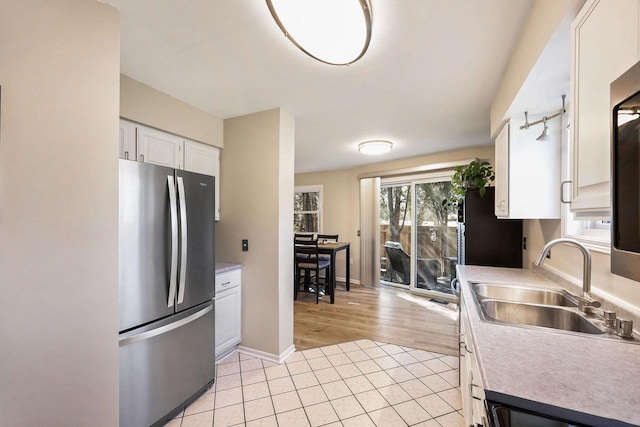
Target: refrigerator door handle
174	240
183	244
164	329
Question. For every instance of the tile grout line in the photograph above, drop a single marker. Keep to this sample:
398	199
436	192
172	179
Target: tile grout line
355	346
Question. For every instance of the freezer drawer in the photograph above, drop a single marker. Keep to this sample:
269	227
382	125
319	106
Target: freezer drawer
162	365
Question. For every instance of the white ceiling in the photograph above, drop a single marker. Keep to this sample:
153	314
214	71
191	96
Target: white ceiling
426	82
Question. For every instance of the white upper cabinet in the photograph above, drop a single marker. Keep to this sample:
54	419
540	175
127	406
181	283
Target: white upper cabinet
528	172
144	144
127	140
160	148
605	43
502	172
202	158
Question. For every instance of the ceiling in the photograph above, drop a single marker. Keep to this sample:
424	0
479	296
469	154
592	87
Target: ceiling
426	83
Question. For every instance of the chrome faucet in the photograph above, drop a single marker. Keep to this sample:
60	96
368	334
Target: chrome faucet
587	303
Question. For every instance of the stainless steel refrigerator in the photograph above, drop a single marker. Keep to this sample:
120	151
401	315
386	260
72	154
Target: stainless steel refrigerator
167	285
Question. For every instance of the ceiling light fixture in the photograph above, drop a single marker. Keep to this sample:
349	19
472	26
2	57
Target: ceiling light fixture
336	32
375	147
544	136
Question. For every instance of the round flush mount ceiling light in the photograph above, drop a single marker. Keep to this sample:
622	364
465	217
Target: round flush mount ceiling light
375	147
336	32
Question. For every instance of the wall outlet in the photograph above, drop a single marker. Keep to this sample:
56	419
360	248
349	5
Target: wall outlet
245	245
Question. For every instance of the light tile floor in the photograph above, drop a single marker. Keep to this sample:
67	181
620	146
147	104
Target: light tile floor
360	383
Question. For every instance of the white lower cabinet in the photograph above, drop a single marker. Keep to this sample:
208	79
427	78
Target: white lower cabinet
471	386
228	308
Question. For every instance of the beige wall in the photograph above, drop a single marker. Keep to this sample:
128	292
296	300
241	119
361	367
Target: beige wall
143	104
256	200
59	213
568	260
341	195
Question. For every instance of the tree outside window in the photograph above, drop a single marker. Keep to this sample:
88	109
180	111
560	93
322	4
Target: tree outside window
307	209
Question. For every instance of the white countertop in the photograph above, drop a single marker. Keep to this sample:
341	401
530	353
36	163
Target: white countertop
223	267
577	377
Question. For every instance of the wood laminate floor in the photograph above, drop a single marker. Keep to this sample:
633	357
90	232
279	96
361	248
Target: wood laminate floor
384	314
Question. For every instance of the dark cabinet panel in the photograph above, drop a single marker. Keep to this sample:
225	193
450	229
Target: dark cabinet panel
486	240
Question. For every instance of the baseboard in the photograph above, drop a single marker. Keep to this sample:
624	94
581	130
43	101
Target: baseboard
275	358
344	280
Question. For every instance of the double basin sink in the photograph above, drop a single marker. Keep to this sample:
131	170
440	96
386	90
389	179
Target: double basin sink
534	307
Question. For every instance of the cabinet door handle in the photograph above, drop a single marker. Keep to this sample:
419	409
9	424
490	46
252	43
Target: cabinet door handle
126	155
226	283
562	200
142	158
471	386
467	348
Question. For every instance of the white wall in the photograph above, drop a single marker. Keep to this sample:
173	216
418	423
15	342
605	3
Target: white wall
256	200
59	74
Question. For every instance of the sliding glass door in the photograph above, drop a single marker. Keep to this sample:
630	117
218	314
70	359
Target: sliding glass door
418	235
436	237
395	233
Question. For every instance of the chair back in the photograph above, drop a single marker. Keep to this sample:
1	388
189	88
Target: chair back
302	236
307	255
399	260
306	251
325	238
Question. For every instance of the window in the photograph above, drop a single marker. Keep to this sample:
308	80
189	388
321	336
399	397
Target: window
595	232
307	209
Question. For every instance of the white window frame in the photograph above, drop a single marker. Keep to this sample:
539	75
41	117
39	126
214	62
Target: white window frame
311	189
594	233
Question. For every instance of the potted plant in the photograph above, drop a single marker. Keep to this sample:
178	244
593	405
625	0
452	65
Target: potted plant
474	175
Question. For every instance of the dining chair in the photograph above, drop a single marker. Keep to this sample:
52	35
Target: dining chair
303	236
307	260
328	238
399	261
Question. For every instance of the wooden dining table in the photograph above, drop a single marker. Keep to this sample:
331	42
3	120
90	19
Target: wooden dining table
332	249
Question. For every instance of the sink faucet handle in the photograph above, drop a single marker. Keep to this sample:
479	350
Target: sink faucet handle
609	318
624	328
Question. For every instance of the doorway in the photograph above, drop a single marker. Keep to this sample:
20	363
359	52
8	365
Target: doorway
418	235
